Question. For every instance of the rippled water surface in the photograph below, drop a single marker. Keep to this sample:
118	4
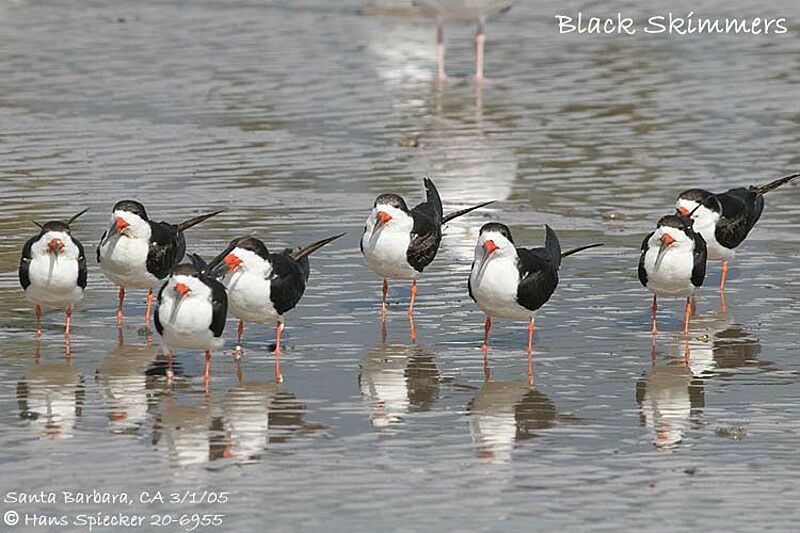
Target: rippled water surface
292	117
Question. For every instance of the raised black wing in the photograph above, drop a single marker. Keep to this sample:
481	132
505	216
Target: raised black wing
425	239
538	277
700	255
642	270
82	270
219	305
159	327
741	209
25	263
287	282
167	248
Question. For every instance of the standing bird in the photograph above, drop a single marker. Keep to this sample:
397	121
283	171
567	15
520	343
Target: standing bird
725	219
262	286
136	252
462	11
190	312
511	282
673	262
399	244
52	270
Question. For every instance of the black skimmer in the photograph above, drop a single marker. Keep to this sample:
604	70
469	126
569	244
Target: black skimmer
462	11
725	219
399	243
673	262
262	286
191	311
137	252
52	270
511	282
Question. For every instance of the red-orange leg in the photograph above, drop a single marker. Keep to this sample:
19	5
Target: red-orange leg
38	311
413	297
724	275
383	300
119	307
68	325
654	330
239	333
688	314
207	373
149	308
487	327
412	330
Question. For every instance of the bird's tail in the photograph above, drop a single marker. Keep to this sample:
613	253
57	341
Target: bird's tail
456	214
183	226
580	249
775	184
432	197
75	217
311	248
198	262
551	245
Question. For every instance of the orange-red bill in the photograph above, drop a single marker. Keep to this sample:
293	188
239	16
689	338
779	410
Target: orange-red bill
490	247
120	223
232	261
182	289
384	217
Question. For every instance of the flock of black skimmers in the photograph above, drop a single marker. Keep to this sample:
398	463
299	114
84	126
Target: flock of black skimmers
259	286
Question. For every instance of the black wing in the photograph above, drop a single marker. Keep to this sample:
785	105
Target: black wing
538	277
25	263
97	250
741	209
219	305
700	255
287	283
642	270
159	327
469	282
427	232
167	248
425	239
82	270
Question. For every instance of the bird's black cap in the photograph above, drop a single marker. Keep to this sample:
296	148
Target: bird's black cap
132	206
254	245
393	200
502	229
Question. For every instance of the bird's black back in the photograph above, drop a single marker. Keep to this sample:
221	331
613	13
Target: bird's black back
538	271
167	248
427	232
288	280
740	210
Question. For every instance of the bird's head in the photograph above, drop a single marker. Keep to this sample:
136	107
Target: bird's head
390	211
185	282
129	218
494	241
700	205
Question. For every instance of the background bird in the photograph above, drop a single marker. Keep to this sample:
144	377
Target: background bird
725	219
137	252
462	11
52	270
262	286
511	282
673	262
191	311
399	243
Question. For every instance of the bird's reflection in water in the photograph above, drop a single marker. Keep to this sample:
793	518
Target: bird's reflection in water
257	415
183	430
504	413
51	396
397	379
671	395
126	385
670	399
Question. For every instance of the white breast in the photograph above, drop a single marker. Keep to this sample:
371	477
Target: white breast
124	261
187	326
673	278
249	297
495	291
54	281
385	253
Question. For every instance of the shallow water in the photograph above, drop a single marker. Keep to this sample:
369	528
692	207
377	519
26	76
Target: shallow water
293	116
